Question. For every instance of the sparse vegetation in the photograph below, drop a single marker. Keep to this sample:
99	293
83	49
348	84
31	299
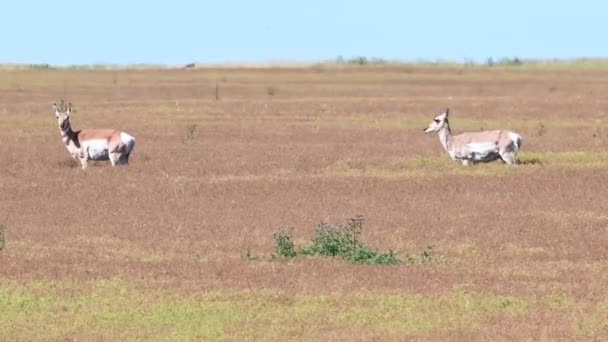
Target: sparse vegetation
270	91
191	131
249	256
42	66
427	257
540	129
515	61
362	61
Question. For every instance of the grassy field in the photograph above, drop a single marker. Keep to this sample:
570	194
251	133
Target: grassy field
178	245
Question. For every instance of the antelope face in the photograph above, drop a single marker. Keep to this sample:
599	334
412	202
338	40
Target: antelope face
438	122
63	118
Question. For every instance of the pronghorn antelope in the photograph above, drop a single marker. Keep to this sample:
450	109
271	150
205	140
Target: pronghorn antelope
94	144
473	147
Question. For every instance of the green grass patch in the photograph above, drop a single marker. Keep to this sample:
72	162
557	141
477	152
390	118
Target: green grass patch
430	167
569	159
113	309
458	124
418	167
117	310
560	302
592	320
119	251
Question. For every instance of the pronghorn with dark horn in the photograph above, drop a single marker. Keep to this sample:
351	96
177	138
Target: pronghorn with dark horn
474	147
94	144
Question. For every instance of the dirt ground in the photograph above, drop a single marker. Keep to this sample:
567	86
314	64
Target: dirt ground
226	157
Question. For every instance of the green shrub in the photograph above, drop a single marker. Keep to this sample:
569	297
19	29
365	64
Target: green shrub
331	240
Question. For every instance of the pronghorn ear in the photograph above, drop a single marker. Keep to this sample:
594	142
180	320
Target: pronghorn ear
56	109
69	111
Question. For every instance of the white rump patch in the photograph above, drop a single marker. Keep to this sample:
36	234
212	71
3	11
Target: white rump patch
126	138
96	149
516	139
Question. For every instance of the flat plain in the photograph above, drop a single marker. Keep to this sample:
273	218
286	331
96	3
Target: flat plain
177	246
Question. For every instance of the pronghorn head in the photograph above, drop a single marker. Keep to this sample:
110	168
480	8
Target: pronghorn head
438	122
63	118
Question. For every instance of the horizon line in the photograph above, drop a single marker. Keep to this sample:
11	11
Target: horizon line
338	61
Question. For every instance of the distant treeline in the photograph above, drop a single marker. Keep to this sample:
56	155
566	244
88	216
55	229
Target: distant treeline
489	62
338	61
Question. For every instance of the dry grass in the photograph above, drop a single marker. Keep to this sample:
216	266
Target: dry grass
157	249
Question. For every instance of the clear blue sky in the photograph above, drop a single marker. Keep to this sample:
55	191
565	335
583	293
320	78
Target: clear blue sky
179	31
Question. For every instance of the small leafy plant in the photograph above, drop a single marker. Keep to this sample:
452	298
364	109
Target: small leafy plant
540	129
284	246
249	256
2	238
427	257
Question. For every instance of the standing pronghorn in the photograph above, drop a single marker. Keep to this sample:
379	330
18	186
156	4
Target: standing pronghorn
94	144
472	147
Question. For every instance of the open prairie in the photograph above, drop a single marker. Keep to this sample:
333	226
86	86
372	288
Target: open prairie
178	244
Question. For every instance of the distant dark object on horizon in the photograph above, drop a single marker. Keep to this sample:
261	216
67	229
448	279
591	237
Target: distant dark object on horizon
189	66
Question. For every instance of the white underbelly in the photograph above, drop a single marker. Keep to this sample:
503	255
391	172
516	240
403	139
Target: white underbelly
479	152
96	149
